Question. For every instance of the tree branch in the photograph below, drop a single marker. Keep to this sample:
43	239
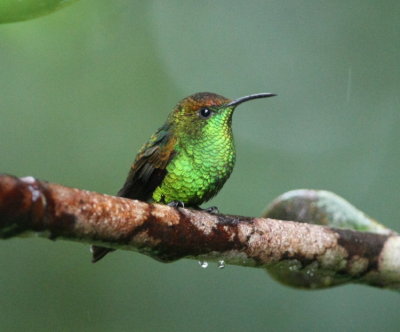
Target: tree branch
297	254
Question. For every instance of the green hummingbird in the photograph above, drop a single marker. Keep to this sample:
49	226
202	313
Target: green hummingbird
188	159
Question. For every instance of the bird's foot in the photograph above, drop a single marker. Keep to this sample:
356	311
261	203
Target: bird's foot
180	204
211	210
176	204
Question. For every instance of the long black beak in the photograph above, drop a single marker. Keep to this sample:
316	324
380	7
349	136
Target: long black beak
238	101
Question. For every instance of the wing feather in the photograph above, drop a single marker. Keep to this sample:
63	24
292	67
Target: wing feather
149	167
146	174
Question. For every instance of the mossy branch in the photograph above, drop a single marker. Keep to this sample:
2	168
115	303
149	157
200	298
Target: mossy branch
295	253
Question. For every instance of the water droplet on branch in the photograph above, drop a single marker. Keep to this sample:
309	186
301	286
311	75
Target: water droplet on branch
203	264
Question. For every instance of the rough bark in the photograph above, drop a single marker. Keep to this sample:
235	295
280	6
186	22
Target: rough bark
297	254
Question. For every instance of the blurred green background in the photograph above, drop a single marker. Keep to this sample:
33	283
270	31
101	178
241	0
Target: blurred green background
83	88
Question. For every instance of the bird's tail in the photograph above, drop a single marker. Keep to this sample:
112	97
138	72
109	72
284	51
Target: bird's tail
99	252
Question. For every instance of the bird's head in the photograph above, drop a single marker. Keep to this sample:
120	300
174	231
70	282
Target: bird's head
207	113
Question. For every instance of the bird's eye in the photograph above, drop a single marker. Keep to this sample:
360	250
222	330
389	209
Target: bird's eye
205	113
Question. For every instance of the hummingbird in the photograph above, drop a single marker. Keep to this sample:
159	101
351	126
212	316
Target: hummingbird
188	160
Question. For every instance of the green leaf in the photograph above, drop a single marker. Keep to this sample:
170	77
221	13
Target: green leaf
22	10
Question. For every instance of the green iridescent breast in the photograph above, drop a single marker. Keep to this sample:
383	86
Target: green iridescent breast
200	166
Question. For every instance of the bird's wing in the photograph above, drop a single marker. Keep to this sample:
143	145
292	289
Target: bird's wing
149	167
147	172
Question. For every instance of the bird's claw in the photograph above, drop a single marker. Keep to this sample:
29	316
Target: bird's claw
212	210
176	204
180	204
